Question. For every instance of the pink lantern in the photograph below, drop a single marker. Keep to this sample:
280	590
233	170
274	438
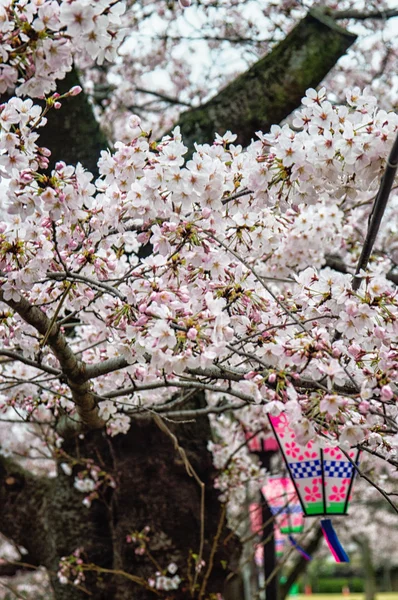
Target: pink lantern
256	518
282	499
322	477
256	526
261	442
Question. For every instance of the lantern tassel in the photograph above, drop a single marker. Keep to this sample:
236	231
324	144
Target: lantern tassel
299	548
333	541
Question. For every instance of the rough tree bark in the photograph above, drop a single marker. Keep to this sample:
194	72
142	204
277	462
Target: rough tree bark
273	87
368	568
78	138
153	488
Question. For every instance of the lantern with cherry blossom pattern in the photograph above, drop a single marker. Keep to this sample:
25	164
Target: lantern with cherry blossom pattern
281	497
322	477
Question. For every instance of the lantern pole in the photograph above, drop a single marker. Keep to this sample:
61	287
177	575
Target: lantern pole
268	538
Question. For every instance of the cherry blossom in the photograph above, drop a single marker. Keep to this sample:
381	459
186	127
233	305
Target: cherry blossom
312	493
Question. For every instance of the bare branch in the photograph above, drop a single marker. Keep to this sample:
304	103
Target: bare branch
163	97
100	285
363	16
31	363
362	474
103	368
337	264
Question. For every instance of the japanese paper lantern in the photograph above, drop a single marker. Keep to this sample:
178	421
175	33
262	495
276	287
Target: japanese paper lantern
261	442
282	499
322	477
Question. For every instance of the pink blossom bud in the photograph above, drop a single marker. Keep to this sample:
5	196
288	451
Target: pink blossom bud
44	151
26	177
386	393
364	406
75	90
143	237
355	350
141	321
206	212
184	3
272	377
250	375
43	163
192	333
140	373
57	105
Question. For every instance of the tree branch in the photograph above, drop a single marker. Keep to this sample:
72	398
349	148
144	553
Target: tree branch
359	15
272	88
377	213
163	97
337	264
27	361
72	368
372	483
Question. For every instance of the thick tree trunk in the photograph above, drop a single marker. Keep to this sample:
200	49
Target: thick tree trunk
153	489
273	87
72	133
368	569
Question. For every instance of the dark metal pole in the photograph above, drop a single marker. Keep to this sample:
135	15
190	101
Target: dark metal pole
271	588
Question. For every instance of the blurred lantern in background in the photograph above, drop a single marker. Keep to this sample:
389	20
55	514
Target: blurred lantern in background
281	497
261	442
256	526
322	477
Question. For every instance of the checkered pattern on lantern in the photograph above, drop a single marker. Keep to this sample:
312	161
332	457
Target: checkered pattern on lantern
307	468
337	468
286	510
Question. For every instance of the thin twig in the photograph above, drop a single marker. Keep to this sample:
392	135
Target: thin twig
192	473
212	552
362	474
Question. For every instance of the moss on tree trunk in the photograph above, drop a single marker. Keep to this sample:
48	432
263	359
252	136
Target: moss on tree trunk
272	88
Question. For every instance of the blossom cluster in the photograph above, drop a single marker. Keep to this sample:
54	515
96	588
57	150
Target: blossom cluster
227	300
39	40
71	568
